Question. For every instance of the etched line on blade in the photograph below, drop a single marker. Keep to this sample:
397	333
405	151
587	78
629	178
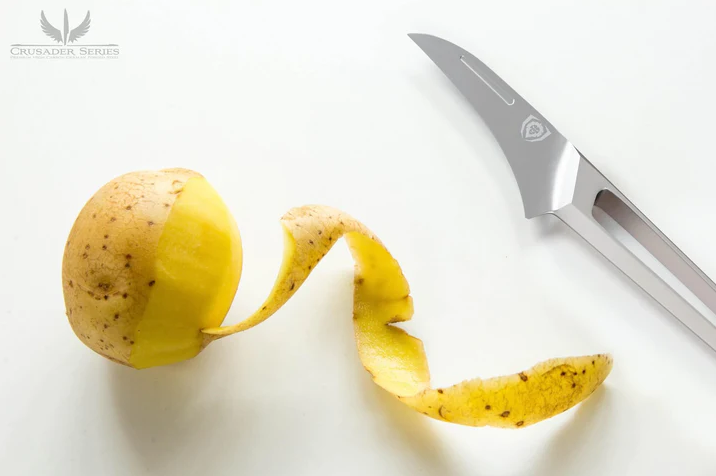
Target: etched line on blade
504	95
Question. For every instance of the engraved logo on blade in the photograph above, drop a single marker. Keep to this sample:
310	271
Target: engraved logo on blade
534	130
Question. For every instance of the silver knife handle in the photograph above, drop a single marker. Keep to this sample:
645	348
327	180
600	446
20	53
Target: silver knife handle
594	195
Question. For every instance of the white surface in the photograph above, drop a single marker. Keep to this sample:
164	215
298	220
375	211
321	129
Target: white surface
282	104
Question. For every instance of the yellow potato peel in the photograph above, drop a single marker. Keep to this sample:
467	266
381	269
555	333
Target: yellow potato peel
395	359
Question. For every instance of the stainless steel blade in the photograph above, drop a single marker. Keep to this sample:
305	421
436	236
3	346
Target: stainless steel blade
543	161
555	178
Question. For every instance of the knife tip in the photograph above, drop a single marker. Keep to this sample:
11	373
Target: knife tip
421	38
416	37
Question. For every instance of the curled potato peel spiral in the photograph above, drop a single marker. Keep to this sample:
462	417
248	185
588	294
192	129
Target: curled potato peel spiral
395	359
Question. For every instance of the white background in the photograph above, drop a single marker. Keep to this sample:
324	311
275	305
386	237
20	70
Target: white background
280	104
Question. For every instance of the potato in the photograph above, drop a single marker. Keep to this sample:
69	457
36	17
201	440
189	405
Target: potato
153	258
166	302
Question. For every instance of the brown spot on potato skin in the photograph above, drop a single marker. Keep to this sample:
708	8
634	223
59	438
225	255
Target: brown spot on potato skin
116	316
574	385
151	283
505	414
563	374
125	295
150	223
129	207
84	255
520	423
440	412
488	407
523	376
440	391
293	285
112	220
104	247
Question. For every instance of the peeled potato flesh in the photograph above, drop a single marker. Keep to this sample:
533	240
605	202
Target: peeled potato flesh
153	262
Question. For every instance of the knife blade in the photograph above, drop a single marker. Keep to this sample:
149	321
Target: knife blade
555	178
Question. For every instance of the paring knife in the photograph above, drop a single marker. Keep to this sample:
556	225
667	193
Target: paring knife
555	178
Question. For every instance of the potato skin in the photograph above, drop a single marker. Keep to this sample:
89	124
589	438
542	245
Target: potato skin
109	257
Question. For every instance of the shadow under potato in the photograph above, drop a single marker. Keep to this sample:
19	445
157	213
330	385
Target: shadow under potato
181	417
401	426
581	441
163	411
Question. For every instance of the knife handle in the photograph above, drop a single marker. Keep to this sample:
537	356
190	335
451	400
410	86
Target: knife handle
660	268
